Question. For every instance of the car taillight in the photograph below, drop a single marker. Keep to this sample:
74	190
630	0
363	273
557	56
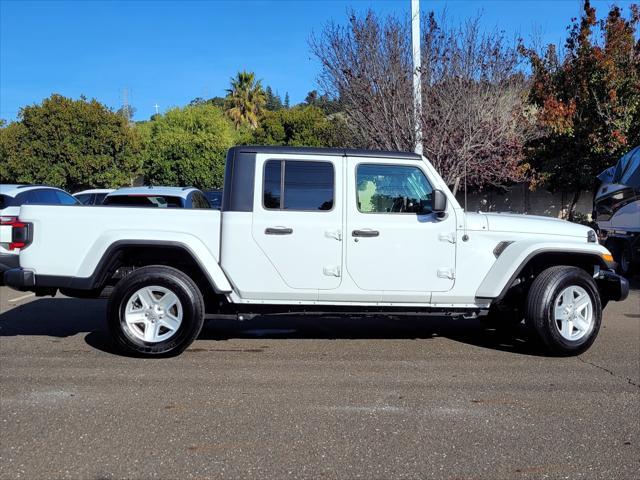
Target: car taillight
21	232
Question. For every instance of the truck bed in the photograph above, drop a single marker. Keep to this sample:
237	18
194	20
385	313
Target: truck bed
70	240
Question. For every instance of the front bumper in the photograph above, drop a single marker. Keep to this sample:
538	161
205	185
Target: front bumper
8	262
613	287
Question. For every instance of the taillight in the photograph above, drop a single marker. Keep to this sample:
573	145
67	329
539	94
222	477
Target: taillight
20	232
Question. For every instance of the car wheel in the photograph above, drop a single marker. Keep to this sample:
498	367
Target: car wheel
624	264
155	311
564	310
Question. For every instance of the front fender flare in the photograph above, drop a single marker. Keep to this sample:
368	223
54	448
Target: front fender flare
517	255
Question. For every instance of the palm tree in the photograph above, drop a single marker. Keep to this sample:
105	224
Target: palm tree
245	99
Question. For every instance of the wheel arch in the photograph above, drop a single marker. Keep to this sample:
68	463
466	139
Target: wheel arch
137	253
505	273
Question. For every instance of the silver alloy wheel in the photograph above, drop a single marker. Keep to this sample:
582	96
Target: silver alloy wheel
573	313
153	314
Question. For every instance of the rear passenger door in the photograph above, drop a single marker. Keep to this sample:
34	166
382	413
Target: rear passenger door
297	218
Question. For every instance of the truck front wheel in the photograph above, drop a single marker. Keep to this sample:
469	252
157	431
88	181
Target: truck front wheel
155	311
564	310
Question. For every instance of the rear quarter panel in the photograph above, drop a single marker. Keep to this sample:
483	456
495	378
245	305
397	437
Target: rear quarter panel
71	240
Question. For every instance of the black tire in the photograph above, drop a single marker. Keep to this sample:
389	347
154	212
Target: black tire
176	282
540	316
625	260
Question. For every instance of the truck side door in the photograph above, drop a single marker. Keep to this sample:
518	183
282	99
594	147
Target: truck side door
297	218
394	243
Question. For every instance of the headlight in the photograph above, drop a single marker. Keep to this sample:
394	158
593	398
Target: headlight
592	237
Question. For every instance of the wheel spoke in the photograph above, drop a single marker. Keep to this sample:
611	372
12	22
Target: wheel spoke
567	328
580	323
146	297
137	316
168	300
567	297
582	302
560	313
150	331
170	322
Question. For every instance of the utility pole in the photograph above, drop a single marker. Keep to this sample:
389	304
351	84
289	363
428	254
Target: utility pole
125	104
157	107
417	88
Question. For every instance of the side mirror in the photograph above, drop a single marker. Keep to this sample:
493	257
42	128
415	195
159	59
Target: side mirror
439	203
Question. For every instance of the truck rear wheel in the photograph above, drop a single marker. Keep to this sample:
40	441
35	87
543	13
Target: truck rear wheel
155	311
564	310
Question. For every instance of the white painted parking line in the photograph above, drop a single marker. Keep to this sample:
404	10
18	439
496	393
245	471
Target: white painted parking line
23	297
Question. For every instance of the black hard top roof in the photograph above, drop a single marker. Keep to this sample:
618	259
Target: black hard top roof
351	152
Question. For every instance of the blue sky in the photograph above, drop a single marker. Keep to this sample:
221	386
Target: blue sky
171	52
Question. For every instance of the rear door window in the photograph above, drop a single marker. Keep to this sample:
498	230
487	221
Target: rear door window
298	185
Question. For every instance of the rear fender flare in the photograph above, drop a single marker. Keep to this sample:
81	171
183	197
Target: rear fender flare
207	263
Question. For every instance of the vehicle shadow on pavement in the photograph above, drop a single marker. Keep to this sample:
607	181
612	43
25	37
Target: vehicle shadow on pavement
55	317
63	317
330	327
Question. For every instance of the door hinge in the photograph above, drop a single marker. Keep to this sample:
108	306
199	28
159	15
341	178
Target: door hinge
447	237
447	273
332	271
337	234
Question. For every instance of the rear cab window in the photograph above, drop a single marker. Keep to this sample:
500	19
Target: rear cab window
298	185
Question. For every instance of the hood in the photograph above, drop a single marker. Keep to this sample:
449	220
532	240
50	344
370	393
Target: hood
510	222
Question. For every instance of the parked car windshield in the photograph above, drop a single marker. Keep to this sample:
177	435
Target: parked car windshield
159	201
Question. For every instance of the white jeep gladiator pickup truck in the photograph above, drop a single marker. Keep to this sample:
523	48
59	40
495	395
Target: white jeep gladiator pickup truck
319	230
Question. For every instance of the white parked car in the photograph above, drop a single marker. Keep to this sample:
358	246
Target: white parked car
320	230
159	197
11	229
94	196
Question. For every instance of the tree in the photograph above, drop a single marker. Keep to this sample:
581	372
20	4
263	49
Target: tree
475	112
215	101
287	103
302	126
588	99
245	100
72	144
324	102
273	100
127	111
187	146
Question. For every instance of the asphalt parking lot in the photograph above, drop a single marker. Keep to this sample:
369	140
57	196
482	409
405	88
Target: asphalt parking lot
291	397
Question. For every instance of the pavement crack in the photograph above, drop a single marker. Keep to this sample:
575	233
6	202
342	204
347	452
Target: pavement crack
610	372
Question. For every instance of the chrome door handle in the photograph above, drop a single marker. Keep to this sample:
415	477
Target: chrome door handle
365	233
278	231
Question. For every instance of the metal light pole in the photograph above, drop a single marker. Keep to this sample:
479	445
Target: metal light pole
417	89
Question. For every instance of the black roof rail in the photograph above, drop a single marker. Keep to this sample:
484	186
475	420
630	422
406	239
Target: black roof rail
342	152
